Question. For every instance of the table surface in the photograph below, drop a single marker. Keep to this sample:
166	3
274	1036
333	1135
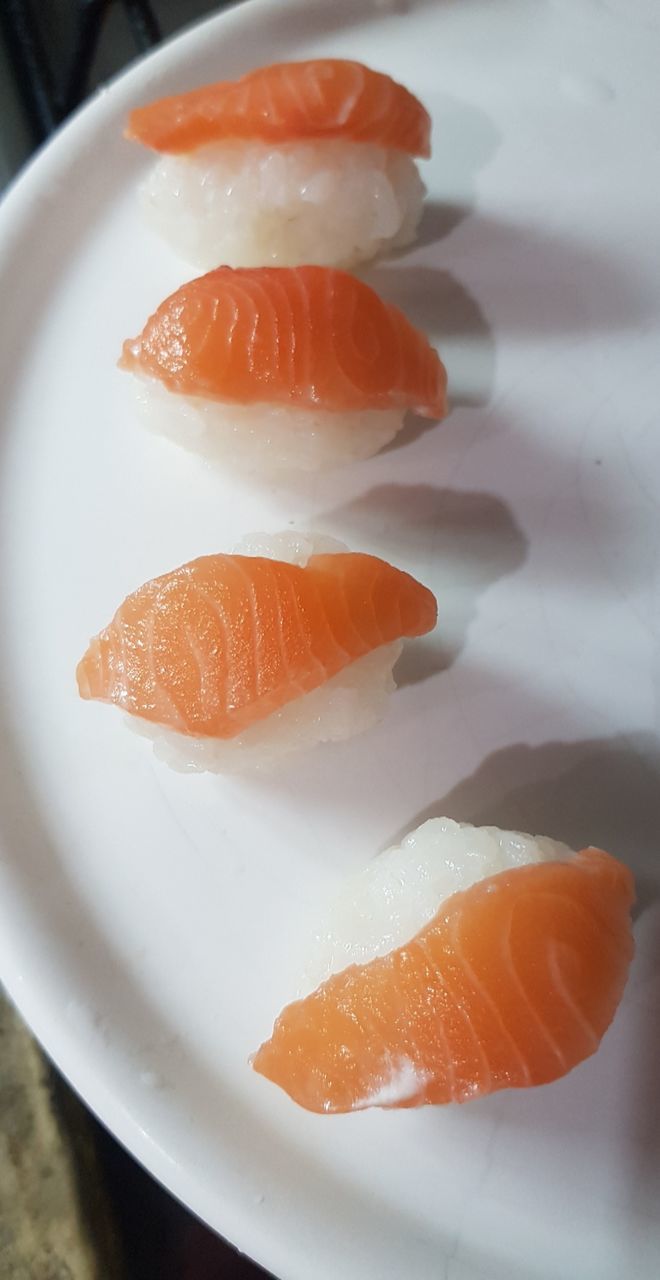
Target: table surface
74	1203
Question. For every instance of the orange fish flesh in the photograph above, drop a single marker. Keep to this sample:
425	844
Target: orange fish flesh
512	984
223	641
312	337
289	102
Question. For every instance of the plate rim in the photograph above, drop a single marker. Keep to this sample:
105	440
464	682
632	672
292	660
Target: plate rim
226	1212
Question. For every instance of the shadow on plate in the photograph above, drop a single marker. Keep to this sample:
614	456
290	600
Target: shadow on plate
588	531
438	304
543	282
461	542
604	792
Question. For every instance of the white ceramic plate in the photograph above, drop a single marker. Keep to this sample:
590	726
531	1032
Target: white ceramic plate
151	925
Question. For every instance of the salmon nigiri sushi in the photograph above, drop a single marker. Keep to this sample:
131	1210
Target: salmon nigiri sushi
232	661
464	961
282	367
299	162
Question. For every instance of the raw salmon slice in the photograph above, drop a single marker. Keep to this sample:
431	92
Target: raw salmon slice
512	984
308	336
220	643
291	101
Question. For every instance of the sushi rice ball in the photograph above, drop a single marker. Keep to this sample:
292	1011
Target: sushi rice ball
233	662
282	369
299	162
463	961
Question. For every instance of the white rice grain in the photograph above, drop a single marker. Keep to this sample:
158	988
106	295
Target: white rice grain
264	437
387	903
351	702
335	203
